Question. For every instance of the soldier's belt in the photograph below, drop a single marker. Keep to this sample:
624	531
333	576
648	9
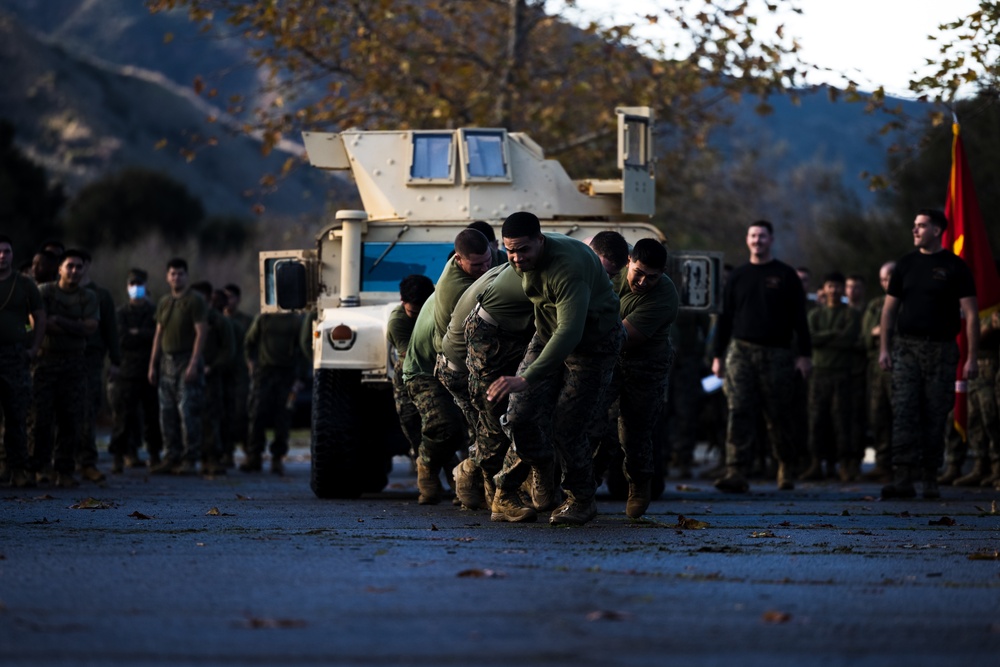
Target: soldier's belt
485	316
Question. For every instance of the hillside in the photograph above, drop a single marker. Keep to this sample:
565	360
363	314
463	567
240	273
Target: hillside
81	118
103	116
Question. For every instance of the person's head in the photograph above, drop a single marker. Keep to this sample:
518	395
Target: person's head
88	260
71	268
523	240
177	274
219	300
44	267
135	282
204	288
6	255
646	265
487	231
833	288
928	226
414	290
805	277
472	252
854	289
760	237
885	275
612	249
55	247
233	296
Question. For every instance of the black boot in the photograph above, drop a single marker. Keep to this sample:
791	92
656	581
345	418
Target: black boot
902	484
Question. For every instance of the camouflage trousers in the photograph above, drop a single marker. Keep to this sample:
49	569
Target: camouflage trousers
442	426
880	411
409	416
15	401
135	415
684	407
923	391
86	455
493	353
553	416
759	378
456	380
181	407
235	418
58	410
211	418
269	393
982	400
830	430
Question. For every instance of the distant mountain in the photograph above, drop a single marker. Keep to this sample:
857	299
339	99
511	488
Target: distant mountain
81	116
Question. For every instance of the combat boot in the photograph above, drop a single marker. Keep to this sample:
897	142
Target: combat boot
164	467
573	512
507	506
732	482
901	486
277	466
974	477
212	468
21	479
813	473
428	484
65	480
92	474
950	474
880	473
994	475
639	497
545	493
469	485
784	479
252	464
931	490
185	468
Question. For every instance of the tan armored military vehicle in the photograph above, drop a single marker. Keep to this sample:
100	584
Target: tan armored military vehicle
419	189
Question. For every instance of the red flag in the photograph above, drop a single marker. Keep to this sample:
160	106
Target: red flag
966	237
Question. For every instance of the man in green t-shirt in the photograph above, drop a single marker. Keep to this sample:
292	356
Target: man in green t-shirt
274	358
219	355
236	382
414	290
176	367
59	377
20	307
567	365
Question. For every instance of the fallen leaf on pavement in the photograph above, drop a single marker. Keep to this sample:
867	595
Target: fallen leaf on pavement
772	616
690	524
240	496
212	512
762	533
477	573
91	504
943	521
608	615
139	515
985	555
256	623
687	488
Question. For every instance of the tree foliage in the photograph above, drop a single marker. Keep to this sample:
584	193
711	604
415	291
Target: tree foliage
121	208
29	204
387	64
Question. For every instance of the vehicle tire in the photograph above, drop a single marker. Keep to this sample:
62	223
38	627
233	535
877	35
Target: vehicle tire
336	441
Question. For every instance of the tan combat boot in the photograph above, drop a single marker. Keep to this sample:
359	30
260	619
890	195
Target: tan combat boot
784	479
950	474
994	475
639	497
931	490
469	485
813	473
573	512
428	484
733	481
545	492
974	477
507	506
902	484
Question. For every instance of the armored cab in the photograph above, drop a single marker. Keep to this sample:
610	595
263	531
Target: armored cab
419	189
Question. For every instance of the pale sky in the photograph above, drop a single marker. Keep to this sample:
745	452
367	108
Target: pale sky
878	42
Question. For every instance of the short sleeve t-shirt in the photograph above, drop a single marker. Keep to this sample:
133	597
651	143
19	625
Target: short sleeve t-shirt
177	317
651	314
77	304
19	297
929	288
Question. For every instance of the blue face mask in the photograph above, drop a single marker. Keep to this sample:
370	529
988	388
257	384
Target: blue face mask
136	291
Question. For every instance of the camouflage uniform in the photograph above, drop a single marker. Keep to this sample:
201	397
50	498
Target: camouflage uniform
181	402
59	380
835	334
236	390
982	402
134	405
923	391
19	299
272	344
398	331
102	344
219	353
879	386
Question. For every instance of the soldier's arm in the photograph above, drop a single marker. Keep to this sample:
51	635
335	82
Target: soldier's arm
83	328
886	325
38	323
194	365
971	312
154	358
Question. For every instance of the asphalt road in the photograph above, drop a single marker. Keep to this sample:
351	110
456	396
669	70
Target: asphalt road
253	569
